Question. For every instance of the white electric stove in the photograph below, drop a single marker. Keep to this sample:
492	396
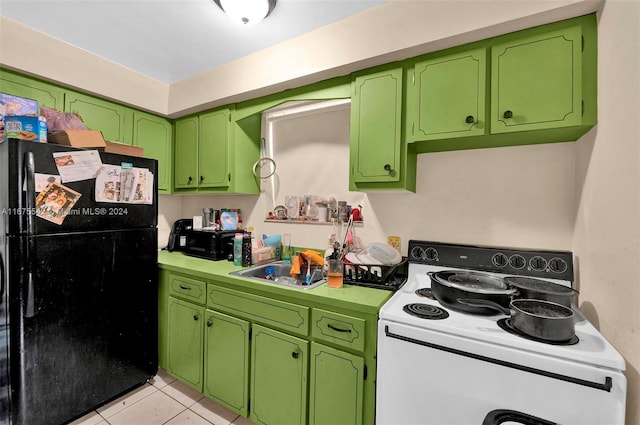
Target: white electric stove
452	367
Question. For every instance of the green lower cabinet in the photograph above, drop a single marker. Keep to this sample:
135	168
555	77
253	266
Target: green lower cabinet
185	341
279	364
336	396
226	367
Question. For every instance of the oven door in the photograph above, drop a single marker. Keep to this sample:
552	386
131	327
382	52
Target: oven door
429	377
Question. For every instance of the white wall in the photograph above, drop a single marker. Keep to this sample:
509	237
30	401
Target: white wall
606	233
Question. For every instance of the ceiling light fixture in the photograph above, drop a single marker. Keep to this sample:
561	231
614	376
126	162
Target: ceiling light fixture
247	12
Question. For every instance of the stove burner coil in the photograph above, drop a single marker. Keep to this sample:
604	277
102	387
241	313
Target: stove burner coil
506	325
426	311
425	292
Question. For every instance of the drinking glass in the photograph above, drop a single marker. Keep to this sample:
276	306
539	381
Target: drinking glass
334	275
286	247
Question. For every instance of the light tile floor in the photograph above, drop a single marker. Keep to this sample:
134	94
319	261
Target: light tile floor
164	401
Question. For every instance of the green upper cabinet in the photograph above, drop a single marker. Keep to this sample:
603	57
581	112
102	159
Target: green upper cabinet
213	149
378	156
447	96
186	153
113	120
206	150
538	85
537	82
376	121
46	94
154	135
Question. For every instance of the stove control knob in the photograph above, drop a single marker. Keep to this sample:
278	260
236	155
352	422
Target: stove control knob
500	260
558	265
538	263
517	261
431	254
417	253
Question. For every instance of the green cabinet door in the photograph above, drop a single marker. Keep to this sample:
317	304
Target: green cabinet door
113	120
154	135
337	385
46	94
536	82
185	342
449	93
279	365
226	367
213	149
376	121
186	153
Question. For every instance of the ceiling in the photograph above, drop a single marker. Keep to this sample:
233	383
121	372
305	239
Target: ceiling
170	40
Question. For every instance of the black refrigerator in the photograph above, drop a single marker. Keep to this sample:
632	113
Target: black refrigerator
78	290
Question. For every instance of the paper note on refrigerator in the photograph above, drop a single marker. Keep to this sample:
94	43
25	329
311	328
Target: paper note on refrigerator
124	185
76	166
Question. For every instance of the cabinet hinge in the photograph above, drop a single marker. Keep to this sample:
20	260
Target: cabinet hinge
413	78
365	373
582	41
582	107
229	176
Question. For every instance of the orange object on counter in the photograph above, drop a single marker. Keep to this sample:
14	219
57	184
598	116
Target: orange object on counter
308	255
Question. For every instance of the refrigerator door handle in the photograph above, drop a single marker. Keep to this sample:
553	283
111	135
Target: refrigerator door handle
30	195
2	278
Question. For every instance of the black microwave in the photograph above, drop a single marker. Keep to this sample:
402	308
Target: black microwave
211	244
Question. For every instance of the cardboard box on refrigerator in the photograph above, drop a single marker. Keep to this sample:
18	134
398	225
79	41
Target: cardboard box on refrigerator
25	128
122	149
16	105
78	138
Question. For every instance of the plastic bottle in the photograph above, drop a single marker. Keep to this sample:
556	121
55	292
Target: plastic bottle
246	250
237	249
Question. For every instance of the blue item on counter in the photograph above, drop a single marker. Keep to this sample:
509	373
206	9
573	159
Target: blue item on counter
270	273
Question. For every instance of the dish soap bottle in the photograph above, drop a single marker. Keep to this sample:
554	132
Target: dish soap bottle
237	249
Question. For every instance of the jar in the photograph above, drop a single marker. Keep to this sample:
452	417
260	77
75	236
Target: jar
322	211
342	211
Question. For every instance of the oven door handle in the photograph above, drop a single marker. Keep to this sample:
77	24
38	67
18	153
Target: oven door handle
499	416
608	382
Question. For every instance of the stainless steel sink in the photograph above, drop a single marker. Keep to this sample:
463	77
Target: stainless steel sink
282	276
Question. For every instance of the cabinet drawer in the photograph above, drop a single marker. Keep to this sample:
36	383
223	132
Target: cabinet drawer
188	289
340	329
279	314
